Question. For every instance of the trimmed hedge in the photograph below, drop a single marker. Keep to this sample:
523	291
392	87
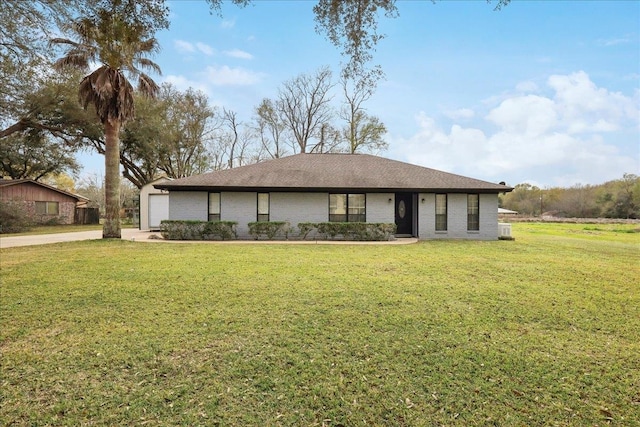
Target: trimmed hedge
225	230
198	230
269	229
366	231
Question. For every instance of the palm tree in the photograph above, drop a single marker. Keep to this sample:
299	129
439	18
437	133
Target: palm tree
120	46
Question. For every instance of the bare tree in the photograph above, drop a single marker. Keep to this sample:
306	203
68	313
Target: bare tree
233	144
362	132
270	129
329	140
231	134
303	104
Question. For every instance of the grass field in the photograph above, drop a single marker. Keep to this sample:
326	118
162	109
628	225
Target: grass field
540	331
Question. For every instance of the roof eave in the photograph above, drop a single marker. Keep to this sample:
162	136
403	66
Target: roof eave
266	189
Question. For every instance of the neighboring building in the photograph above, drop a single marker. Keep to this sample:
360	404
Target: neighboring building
154	205
41	203
422	202
506	212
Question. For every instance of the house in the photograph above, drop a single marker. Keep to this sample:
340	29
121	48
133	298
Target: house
422	202
154	205
41	203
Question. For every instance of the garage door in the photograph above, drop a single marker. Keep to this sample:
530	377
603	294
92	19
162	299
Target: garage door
158	209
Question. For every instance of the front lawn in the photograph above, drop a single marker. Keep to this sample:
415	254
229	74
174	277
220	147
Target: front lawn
543	330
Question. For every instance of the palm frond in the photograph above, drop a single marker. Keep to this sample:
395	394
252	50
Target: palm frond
146	63
60	40
147	86
74	60
149	46
108	90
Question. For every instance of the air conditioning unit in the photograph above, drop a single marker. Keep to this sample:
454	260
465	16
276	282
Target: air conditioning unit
504	230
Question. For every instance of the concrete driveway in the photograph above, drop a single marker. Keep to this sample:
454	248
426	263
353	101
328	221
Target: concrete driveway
143	236
42	239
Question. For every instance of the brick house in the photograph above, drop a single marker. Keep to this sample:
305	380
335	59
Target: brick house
41	203
422	202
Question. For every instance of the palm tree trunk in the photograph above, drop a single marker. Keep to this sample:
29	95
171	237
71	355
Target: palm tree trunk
111	227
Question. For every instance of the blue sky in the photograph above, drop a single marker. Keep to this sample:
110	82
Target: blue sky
545	92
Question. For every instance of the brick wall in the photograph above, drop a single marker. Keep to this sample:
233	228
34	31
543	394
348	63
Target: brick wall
457	217
189	205
299	207
240	207
314	207
66	213
379	209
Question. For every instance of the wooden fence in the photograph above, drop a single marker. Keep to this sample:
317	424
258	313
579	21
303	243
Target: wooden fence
87	216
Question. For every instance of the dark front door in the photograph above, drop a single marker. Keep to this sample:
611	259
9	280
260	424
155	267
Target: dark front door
404	213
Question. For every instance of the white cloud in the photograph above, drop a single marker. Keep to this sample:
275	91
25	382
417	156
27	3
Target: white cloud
188	47
228	23
530	114
566	138
205	48
586	108
184	46
461	113
227	76
182	83
615	41
237	53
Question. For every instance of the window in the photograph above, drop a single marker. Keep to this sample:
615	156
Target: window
263	207
473	212
338	207
356	208
47	208
214	206
441	212
347	208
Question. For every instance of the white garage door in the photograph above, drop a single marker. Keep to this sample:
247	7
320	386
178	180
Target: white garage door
158	209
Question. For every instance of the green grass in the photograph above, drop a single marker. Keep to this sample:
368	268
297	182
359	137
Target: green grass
540	331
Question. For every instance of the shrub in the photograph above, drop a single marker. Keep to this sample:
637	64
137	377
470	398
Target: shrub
13	218
269	229
306	228
198	230
349	230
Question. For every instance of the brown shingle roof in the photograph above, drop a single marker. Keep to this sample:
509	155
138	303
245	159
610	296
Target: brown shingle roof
321	172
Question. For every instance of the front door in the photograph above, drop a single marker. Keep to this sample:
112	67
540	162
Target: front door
404	214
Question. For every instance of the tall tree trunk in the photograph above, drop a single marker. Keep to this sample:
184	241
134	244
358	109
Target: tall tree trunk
111	228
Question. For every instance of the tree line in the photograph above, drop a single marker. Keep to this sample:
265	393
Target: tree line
618	198
179	133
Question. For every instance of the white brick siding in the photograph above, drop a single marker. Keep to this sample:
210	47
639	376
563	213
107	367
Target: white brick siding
379	209
188	205
240	207
427	216
489	217
314	207
457	217
299	207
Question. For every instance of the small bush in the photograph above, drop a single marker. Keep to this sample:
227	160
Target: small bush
306	228
366	231
198	230
269	229
13	218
